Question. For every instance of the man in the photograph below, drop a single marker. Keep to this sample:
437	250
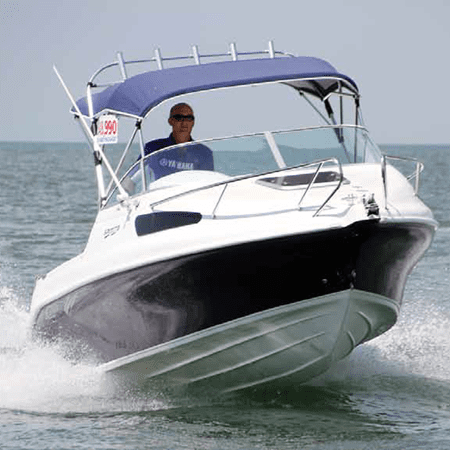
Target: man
186	157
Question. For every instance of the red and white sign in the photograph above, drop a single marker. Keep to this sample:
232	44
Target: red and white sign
107	129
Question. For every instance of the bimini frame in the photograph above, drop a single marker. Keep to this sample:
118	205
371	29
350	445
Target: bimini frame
89	122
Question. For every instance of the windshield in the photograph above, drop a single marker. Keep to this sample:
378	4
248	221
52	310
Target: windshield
251	154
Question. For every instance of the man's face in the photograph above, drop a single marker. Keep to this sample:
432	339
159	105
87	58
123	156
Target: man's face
181	128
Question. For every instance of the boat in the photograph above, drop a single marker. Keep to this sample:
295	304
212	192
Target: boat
266	270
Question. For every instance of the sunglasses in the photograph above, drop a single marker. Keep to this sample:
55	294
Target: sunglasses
182	117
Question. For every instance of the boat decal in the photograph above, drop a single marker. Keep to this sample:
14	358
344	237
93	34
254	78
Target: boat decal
108	129
175	164
108	232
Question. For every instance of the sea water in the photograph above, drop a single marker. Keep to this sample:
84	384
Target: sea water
390	393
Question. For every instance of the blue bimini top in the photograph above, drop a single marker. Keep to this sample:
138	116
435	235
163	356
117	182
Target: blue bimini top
137	95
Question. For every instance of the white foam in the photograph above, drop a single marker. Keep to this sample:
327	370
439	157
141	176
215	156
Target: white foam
418	345
37	378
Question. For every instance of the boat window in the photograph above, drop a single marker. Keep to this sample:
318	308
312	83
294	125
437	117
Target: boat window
348	144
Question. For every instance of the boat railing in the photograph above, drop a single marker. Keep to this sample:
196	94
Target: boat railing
320	164
283	147
357	136
415	175
194	57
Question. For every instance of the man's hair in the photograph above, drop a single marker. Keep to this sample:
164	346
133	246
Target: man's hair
178	105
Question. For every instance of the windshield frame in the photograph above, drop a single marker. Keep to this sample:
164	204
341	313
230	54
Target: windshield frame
139	168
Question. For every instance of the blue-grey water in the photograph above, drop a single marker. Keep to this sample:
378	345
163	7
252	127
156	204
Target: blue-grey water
391	393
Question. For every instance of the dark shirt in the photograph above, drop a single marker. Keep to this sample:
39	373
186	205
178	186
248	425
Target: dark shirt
184	157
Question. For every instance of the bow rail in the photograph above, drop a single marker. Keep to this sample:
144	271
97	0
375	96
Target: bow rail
320	164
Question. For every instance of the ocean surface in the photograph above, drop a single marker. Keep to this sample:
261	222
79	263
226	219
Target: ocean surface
391	393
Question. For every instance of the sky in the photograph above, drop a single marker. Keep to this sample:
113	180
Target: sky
396	50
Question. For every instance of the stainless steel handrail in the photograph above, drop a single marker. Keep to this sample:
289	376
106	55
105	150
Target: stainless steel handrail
233	54
247	177
247	135
416	174
341	179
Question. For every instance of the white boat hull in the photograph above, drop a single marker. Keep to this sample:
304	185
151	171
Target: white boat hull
282	346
